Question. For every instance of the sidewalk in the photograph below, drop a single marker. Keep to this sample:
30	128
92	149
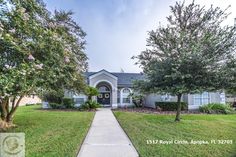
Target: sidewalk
106	138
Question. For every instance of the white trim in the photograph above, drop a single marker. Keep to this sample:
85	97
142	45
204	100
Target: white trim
121	97
222	97
111	91
96	83
103	72
126	88
200	96
209	94
114	106
79	96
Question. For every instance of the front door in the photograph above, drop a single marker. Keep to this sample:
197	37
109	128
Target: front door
103	98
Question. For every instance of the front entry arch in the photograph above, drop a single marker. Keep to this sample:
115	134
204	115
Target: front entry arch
105	94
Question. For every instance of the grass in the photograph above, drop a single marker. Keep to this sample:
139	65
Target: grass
141	127
52	133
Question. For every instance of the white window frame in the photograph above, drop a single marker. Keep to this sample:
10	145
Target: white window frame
125	95
201	96
80	96
166	97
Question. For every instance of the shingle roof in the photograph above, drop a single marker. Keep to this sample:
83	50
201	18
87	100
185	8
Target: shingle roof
124	79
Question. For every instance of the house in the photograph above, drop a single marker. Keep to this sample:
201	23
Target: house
114	90
231	99
28	100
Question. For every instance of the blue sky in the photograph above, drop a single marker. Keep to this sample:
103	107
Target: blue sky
117	29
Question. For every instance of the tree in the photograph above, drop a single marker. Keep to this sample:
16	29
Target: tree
90	92
39	51
229	73
186	55
137	99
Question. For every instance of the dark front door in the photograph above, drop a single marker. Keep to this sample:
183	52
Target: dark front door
103	98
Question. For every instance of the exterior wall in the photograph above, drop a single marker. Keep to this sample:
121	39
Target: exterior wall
188	98
76	97
213	98
112	81
30	100
152	98
79	96
68	94
230	99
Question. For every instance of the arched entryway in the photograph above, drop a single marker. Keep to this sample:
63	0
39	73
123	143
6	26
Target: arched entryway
105	94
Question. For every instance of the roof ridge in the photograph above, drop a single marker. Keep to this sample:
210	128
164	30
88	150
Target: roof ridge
115	72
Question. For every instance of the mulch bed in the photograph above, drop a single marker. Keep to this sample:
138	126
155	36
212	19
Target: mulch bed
154	111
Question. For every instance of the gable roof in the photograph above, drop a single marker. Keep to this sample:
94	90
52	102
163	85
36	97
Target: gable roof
124	79
104	72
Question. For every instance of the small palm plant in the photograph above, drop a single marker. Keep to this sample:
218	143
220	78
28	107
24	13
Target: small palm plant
91	91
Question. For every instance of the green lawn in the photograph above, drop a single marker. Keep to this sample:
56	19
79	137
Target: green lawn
52	133
142	127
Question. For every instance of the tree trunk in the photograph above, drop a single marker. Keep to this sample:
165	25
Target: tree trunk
6	115
142	103
90	98
4	111
13	110
177	118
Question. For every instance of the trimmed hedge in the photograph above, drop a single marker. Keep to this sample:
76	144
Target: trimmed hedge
171	106
55	105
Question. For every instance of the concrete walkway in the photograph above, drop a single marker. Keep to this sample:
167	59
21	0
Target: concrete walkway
106	138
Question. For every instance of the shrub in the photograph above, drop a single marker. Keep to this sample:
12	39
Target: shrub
55	105
216	108
68	102
84	106
171	106
52	96
90	105
90	92
33	104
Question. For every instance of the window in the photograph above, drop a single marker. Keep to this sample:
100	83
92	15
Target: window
103	89
201	99
126	91
125	96
222	98
79	100
166	97
118	96
126	100
118	100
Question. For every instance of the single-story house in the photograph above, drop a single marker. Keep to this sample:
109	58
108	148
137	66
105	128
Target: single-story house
114	89
30	99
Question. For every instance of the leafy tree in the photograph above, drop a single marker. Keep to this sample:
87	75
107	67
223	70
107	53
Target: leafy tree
52	96
39	51
229	73
137	99
186	55
90	92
